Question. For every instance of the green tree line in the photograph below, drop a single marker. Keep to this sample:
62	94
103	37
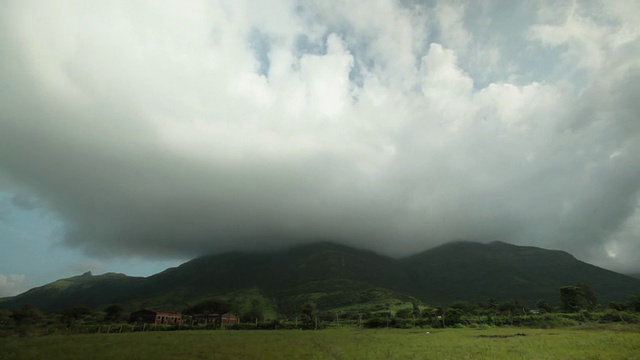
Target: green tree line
577	304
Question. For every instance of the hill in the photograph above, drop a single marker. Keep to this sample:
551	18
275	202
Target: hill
85	289
340	277
332	275
476	272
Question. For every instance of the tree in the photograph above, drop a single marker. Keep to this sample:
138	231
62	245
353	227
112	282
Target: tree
492	305
571	299
574	298
75	313
429	312
634	303
404	313
618	306
453	316
27	315
465	306
113	312
543	306
589	297
309	312
416	309
510	306
253	314
214	305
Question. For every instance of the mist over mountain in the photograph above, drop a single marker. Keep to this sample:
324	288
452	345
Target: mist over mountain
338	276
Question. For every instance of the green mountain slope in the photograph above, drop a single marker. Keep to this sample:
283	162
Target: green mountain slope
85	289
338	277
476	272
332	275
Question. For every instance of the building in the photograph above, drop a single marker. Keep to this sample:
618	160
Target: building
150	316
213	318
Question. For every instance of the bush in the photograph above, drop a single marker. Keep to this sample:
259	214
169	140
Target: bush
611	315
406	313
376	322
27	315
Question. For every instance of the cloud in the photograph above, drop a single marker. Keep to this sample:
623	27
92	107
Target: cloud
11	285
169	130
22	202
82	267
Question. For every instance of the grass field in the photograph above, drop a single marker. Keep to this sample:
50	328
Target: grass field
610	342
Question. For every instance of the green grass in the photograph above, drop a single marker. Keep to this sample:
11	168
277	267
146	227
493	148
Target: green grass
596	342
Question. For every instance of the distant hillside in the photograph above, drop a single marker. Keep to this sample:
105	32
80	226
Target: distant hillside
339	277
85	289
475	272
635	276
331	275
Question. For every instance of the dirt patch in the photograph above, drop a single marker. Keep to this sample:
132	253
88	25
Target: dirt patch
502	336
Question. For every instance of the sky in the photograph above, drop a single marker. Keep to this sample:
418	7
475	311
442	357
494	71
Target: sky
135	135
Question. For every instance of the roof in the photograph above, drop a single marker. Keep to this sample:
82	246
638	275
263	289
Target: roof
216	314
158	311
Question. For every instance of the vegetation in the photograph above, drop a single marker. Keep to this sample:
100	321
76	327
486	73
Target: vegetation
114	313
577	297
81	319
309	313
459	330
600	342
210	306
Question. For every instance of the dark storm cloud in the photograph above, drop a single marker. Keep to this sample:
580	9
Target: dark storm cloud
181	131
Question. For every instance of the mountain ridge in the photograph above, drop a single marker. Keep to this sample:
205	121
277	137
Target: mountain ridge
337	276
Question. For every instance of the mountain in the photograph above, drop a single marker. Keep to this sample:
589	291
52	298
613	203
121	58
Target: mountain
340	277
84	289
332	275
476	272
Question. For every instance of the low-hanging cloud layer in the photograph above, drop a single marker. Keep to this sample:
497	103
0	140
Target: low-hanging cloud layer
181	128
